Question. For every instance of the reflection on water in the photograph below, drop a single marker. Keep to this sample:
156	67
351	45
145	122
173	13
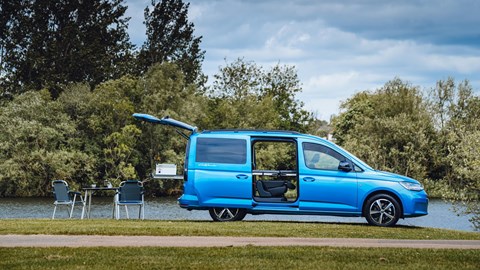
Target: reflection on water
440	213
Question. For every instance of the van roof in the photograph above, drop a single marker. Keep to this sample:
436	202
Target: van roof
250	131
178	124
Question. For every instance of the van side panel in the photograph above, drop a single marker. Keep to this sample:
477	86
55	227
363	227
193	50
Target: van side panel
221	182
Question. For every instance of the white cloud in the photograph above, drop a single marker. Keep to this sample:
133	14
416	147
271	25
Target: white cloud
340	48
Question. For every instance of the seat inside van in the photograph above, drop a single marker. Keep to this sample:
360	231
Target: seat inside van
274	170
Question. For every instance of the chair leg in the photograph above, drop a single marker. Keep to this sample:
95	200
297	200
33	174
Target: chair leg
68	209
141	212
126	210
142	206
73	205
113	211
117	211
54	209
115	214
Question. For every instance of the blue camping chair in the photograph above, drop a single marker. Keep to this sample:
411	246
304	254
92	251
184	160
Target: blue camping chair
63	196
130	193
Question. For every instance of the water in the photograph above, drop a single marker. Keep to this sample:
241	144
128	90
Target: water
440	214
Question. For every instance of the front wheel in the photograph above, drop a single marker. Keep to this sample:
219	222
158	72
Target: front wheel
227	214
382	210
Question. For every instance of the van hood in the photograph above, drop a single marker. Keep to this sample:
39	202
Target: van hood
393	176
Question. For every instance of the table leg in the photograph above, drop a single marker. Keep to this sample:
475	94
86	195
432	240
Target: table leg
114	207
84	202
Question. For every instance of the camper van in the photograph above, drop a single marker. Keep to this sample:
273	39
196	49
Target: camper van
232	173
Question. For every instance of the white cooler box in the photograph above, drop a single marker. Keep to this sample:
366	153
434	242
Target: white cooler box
165	169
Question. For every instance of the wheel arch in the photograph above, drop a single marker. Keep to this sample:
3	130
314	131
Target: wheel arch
386	192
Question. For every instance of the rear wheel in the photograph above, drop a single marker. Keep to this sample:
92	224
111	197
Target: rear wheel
227	214
382	210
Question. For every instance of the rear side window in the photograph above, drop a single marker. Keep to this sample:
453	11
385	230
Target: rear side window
215	150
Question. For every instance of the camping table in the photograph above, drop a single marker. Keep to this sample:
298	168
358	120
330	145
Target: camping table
88	196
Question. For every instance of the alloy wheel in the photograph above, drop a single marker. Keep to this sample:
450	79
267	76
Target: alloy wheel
382	211
227	214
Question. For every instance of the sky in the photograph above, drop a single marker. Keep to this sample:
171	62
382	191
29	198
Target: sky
338	47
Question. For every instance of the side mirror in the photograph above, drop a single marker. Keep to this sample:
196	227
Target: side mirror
344	166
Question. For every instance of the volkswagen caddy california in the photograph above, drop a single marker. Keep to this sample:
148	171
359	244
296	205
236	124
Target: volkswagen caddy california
232	173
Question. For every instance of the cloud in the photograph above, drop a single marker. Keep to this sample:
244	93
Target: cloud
341	47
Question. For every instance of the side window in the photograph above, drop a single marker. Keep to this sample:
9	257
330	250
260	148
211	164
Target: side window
321	157
357	169
218	150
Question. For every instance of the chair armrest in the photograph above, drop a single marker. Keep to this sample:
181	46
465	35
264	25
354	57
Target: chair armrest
75	192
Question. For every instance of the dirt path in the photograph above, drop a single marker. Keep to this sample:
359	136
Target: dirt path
205	241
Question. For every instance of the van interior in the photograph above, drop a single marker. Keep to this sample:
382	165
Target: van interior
274	170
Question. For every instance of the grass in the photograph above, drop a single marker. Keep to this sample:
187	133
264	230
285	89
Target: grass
237	258
249	257
208	228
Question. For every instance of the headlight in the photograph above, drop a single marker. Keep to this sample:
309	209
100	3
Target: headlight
412	186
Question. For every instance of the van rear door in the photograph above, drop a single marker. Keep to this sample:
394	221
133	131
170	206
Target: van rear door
164	121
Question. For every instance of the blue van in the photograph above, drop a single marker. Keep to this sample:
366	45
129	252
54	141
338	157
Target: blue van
232	173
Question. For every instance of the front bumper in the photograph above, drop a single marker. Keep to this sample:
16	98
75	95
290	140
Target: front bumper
416	204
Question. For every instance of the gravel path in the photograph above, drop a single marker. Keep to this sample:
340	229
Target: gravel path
207	241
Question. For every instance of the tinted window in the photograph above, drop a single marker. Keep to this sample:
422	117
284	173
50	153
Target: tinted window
214	150
321	157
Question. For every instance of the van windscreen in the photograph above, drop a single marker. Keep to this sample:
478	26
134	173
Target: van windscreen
216	150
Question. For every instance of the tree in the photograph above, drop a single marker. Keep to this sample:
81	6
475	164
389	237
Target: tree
35	147
170	38
53	43
119	149
390	128
245	95
282	84
165	92
458	112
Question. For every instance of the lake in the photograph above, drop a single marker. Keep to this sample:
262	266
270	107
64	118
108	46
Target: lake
440	214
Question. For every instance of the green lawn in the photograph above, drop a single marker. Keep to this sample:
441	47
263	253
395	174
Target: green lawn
237	258
208	228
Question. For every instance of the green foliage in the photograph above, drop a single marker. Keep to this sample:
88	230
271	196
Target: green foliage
119	149
389	128
433	139
275	156
170	38
112	105
35	147
102	117
244	95
165	92
458	125
50	43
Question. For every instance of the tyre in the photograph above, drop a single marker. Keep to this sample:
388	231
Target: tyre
227	214
382	210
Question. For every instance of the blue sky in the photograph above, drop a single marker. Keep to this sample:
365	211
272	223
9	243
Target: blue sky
338	47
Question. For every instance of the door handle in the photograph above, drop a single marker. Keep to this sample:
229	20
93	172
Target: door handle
308	179
242	176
